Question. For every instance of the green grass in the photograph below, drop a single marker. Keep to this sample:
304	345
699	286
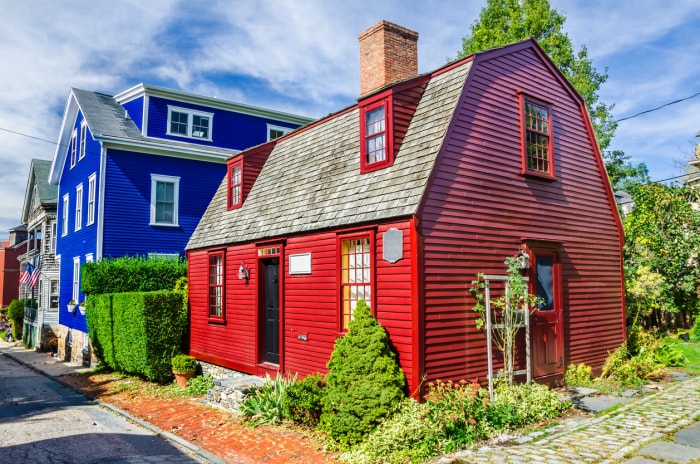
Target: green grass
691	350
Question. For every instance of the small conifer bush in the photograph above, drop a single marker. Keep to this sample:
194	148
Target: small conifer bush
364	382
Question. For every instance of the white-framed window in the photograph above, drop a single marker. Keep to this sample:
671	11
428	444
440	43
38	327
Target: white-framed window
76	279
54	233
79	206
165	194
185	122
92	182
83	139
275	132
53	295
73	148
64	214
90	257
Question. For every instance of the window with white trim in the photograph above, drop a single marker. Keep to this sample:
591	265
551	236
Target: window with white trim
83	141
54	233
76	279
64	214
89	258
164	200
185	122
79	207
275	132
92	183
53	295
73	148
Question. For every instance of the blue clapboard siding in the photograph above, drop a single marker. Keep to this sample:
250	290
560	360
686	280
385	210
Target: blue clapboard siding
76	243
230	129
128	201
135	110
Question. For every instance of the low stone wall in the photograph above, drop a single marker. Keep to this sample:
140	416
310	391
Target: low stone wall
230	387
72	348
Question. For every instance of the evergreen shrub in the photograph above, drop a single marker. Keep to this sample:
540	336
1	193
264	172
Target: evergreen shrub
364	382
15	312
132	274
303	399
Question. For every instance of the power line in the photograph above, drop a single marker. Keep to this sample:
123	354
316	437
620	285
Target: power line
29	136
658	108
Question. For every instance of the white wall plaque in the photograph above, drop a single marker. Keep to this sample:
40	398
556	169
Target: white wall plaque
393	245
300	263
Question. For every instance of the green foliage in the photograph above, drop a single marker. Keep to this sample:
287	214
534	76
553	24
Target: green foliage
15	312
518	405
183	363
695	333
404	437
661	252
303	400
622	173
578	375
364	383
266	404
132	274
458	410
200	385
138	332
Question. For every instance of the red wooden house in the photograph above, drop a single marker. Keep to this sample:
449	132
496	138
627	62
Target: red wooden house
401	200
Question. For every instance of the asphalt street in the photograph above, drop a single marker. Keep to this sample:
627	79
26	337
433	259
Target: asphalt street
44	421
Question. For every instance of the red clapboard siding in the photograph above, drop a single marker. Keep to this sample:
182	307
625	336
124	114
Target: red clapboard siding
479	207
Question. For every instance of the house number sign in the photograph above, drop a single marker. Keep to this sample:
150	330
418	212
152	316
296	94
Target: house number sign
393	245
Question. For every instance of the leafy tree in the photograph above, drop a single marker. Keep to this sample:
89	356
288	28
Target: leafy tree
662	253
364	382
622	173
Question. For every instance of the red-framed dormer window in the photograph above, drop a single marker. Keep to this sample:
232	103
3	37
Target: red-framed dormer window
216	286
377	145
537	140
235	185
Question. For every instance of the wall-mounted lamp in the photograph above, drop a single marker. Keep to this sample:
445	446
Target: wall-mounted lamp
243	272
523	260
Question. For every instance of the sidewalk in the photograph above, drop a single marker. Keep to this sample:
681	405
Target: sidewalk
658	428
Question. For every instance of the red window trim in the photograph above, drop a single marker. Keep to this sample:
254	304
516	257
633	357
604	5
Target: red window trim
550	174
230	203
365	108
222	317
354	235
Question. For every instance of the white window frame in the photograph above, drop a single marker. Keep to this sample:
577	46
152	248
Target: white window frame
76	279
73	148
64	215
90	257
92	184
53	295
83	141
54	233
79	206
190	113
271	127
155	179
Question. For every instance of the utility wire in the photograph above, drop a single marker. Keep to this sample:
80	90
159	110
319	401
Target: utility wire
29	136
658	108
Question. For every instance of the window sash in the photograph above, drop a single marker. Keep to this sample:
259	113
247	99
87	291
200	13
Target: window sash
236	189
164	200
186	122
64	214
76	280
79	207
179	123
216	285
53	295
73	148
83	136
375	133
537	138
91	200
355	276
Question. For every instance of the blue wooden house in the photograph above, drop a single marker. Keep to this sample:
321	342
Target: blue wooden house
135	172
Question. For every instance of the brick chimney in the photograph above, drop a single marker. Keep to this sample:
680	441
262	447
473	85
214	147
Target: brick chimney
388	53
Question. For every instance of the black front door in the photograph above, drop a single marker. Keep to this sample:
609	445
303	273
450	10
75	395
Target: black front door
271	299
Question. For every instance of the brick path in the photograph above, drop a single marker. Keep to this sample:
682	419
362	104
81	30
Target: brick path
608	438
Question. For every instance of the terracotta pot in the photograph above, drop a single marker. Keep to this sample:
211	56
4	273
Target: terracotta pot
183	377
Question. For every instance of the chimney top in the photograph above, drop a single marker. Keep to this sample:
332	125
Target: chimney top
388	53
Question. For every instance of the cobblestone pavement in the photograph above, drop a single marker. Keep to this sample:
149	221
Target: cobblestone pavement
631	433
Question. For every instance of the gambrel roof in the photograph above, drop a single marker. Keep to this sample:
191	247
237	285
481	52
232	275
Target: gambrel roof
312	180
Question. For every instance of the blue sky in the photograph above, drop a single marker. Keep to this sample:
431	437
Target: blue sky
302	57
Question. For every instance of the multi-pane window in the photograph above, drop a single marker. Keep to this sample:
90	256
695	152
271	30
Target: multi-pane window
538	156
76	279
356	276
73	148
83	141
216	285
236	186
275	132
91	199
78	206
375	138
54	233
64	214
184	122
164	200
53	295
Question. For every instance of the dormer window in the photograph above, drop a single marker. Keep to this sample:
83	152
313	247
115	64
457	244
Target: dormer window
537	144
275	132
235	183
184	122
376	149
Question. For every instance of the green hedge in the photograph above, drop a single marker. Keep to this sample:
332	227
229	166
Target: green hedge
132	274
138	332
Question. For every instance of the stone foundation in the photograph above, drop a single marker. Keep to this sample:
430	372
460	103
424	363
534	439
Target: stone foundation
71	347
230	387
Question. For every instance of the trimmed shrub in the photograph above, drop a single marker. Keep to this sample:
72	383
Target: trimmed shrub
183	363
15	312
303	400
138	332
364	382
578	375
132	274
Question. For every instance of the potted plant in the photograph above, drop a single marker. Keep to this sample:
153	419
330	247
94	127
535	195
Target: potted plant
81	307
184	367
71	306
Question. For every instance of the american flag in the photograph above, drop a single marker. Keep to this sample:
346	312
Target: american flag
30	276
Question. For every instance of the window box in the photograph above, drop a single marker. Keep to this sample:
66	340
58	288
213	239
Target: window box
71	306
